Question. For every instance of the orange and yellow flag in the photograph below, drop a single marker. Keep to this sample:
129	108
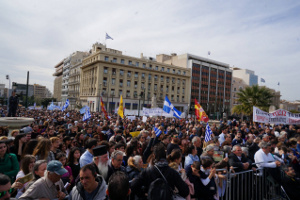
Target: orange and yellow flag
200	113
103	108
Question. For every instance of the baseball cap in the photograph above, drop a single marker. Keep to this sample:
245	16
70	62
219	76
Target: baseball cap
56	167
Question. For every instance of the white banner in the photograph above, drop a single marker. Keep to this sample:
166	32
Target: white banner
277	117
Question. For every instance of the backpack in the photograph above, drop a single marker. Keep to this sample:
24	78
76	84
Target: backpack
160	189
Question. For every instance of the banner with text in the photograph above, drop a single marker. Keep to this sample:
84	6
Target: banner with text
277	117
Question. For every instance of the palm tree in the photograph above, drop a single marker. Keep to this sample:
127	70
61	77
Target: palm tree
260	97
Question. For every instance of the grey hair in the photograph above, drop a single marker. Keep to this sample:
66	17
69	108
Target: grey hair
36	166
245	150
116	153
264	145
136	160
195	139
234	148
209	148
226	148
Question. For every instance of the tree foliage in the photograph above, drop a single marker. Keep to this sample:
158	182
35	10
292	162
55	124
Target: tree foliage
260	97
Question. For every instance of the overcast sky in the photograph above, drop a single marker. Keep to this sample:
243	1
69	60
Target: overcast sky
263	36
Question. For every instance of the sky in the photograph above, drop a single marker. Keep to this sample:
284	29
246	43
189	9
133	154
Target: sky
263	36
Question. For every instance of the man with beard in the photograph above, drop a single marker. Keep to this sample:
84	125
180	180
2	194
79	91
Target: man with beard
100	160
115	164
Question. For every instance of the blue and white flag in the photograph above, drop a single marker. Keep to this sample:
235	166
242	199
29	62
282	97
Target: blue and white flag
157	132
66	105
262	80
169	108
86	115
107	37
34	105
82	110
208	133
278	83
68	114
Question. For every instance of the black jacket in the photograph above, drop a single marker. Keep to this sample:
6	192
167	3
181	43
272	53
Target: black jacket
139	185
112	170
236	162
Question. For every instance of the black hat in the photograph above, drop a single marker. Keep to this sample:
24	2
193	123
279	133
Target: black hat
99	150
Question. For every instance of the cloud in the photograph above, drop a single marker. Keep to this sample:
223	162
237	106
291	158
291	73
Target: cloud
260	36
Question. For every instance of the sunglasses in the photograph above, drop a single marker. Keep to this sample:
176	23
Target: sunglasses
2	194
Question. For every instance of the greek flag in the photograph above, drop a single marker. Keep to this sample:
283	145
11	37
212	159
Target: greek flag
82	110
157	132
169	108
68	114
107	37
208	133
66	105
262	80
86	115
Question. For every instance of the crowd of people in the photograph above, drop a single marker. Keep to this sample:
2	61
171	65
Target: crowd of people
59	156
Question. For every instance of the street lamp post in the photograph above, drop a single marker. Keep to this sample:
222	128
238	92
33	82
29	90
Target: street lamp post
216	98
8	92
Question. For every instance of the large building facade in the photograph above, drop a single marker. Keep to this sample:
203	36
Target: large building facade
246	75
74	85
210	82
109	73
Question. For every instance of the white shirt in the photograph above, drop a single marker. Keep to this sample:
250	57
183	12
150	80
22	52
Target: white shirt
260	156
221	138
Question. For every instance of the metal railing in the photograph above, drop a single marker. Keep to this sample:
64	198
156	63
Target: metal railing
249	185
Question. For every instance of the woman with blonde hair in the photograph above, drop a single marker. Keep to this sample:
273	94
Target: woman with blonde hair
42	150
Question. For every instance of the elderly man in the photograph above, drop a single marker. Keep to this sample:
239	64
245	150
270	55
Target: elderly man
115	164
91	185
101	160
50	186
291	183
196	141
264	159
239	160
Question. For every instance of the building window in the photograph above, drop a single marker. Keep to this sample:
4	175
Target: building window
150	66
106	58
104	81
155	77
182	90
184	72
161	78
135	94
168	69
114	71
173	71
144	65
129	74
137	64
136	75
178	81
129	62
149	86
162	69
155	87
179	72
143	85
120	92
122	61
114	60
156	67
121	83
143	75
121	72
113	81
128	93
112	92
173	80
105	70
149	77
135	84
168	80
128	83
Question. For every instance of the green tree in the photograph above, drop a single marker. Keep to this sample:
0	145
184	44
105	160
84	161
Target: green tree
45	102
260	97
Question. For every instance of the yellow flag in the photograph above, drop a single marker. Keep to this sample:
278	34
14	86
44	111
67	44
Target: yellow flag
120	110
135	134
